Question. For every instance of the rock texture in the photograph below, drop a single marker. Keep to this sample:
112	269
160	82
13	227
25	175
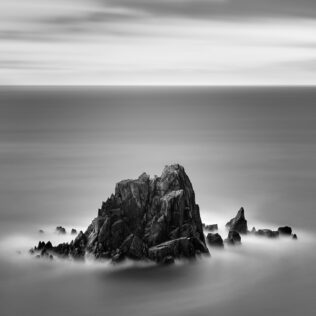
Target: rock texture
215	240
238	223
156	219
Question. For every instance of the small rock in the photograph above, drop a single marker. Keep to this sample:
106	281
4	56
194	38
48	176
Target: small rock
294	236
233	238
267	233
253	231
41	231
215	240
285	230
73	231
211	227
238	223
60	230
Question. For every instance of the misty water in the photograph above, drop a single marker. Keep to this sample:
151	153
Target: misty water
63	150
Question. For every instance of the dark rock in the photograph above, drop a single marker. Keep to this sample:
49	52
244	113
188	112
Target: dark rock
233	238
211	227
253	231
294	236
41	245
144	218
60	230
215	240
286	230
41	231
238	223
267	233
168	260
48	245
73	232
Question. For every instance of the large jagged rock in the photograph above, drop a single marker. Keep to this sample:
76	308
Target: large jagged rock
145	219
238	223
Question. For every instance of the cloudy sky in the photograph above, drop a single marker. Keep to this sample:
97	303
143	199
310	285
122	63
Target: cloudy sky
223	42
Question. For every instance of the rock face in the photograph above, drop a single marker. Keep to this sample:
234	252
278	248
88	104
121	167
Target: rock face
238	223
215	240
144	219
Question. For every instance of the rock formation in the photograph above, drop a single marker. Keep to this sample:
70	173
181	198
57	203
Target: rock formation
214	240
267	233
156	219
73	231
233	238
238	223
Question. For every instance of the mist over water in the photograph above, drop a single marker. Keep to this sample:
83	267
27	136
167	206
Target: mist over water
63	150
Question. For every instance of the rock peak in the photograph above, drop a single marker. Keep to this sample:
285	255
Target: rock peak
238	223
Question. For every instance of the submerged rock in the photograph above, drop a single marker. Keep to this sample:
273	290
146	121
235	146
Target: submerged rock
73	231
233	238
41	231
285	230
238	223
294	236
215	240
144	219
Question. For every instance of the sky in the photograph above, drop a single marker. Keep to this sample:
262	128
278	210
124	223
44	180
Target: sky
158	42
62	150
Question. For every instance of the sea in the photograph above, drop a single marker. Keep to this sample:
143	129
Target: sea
62	149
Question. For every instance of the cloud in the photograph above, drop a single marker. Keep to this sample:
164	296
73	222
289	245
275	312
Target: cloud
157	42
223	8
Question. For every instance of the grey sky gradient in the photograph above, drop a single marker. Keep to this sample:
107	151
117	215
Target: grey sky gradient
123	42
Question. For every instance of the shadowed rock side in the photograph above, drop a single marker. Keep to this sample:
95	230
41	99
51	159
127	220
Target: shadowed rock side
144	219
238	223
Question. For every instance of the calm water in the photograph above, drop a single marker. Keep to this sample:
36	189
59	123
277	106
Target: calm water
63	150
